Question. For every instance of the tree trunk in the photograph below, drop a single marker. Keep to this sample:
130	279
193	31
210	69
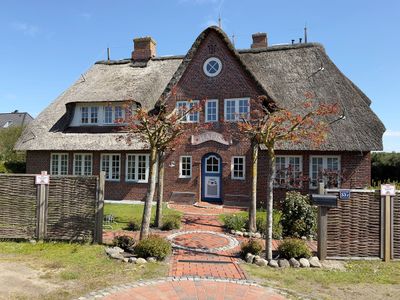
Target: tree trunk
253	203
144	231
270	201
160	191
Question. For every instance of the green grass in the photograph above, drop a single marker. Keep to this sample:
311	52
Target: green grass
123	213
329	284
77	269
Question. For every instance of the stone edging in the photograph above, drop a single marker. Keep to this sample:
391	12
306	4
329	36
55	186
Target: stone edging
232	241
118	288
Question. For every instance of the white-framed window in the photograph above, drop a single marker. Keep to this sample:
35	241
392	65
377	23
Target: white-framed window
238	167
237	109
112	114
89	115
111	164
288	170
325	168
183	106
212	66
212	164
59	164
185	167
137	168
211	110
83	164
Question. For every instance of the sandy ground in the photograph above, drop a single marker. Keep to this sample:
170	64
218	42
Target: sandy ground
19	280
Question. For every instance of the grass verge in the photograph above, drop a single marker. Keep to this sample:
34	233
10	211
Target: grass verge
73	269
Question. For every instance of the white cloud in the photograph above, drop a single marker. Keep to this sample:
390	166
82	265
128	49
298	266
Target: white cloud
25	28
392	133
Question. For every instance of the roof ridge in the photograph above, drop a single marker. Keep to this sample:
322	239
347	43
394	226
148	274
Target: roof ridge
282	47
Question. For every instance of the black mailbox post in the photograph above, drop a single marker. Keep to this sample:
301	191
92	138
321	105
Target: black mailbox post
324	200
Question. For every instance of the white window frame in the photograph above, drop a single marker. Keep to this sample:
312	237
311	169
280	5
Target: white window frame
58	163
83	164
89	108
207	119
109	178
181	164
186	103
233	169
287	158
219	165
136	171
236	101
324	167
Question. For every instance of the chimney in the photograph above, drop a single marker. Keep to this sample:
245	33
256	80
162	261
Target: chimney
260	40
144	48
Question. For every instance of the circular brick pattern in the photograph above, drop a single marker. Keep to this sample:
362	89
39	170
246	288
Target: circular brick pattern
202	241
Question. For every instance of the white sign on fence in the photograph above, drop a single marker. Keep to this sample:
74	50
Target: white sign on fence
42	178
388	189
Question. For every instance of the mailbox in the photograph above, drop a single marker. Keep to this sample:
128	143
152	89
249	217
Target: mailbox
324	200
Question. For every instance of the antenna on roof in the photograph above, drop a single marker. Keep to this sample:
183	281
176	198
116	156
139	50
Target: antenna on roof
233	40
305	33
219	21
108	53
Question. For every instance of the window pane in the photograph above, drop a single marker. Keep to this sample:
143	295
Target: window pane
238	167
119	113
78	164
94	114
142	166
131	171
230	110
243	109
115	167
87	166
108	115
84	115
186	166
211	111
54	164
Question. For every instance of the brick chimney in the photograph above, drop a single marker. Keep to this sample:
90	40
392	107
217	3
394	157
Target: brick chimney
260	40
144	48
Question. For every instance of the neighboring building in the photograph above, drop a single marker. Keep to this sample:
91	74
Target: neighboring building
14	118
76	134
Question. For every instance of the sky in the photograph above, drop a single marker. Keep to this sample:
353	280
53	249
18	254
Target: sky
46	45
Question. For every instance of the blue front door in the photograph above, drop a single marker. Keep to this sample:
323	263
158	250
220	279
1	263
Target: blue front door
211	171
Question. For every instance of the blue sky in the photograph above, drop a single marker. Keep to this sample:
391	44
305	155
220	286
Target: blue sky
46	45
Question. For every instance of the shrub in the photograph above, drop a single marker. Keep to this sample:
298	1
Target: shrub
125	242
153	246
261	223
296	248
15	166
251	246
170	222
134	225
298	216
235	222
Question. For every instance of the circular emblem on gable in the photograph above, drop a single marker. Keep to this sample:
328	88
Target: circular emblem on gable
212	67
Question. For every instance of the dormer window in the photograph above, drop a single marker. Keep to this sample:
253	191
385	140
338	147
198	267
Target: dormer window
98	114
113	114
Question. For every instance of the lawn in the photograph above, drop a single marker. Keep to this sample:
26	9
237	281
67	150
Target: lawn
64	271
123	213
359	280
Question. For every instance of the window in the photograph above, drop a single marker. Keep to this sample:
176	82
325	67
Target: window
89	115
212	164
59	164
183	106
288	171
236	109
211	110
185	167
119	113
108	115
110	163
325	168
238	167
137	167
212	67
82	164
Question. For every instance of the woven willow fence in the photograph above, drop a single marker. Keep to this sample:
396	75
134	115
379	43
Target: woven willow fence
70	208
354	227
396	226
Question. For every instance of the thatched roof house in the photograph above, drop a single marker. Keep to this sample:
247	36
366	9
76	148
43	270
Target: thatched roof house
284	73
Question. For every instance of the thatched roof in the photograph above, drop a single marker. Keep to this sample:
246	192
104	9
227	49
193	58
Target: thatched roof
284	73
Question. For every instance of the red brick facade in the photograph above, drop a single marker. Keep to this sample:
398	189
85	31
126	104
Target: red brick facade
232	82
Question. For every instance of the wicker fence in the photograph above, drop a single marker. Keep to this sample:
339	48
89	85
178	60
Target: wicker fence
69	208
355	227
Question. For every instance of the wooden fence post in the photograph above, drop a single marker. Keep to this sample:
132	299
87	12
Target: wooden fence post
322	226
42	208
98	230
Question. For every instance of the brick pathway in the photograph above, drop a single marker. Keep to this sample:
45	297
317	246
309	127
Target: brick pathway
196	290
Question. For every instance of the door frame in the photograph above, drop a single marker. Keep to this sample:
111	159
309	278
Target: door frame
204	174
